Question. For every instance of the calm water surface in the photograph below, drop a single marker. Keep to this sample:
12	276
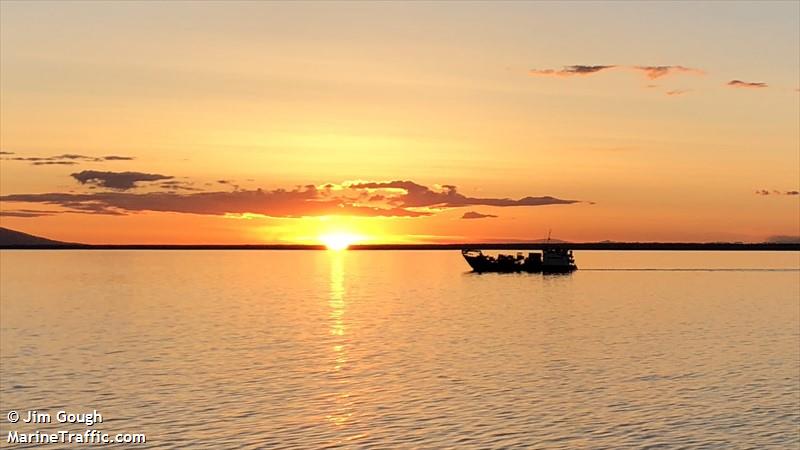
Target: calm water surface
251	349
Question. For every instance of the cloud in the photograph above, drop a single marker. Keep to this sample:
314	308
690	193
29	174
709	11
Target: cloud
25	213
66	159
278	203
416	195
776	192
116	180
677	92
77	208
91	208
54	163
568	71
363	198
746	84
29	159
231	183
476	215
653	72
174	185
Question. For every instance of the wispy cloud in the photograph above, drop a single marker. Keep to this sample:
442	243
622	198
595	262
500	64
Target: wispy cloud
678	92
54	163
775	192
175	185
650	72
746	84
66	159
362	198
477	215
116	180
25	213
569	71
653	72
231	183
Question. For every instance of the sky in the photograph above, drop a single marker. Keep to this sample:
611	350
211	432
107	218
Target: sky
400	122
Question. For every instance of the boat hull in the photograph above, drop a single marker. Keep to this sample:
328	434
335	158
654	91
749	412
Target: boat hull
482	264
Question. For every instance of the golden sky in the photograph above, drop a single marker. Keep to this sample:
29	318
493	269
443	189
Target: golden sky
262	122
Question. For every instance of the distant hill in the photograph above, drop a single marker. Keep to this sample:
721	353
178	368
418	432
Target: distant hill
784	239
12	238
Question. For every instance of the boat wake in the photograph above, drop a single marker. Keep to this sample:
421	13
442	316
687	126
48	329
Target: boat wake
698	269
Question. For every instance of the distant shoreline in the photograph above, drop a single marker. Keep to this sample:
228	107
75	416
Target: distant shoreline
637	246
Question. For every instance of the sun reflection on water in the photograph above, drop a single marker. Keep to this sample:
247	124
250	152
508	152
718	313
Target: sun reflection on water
341	409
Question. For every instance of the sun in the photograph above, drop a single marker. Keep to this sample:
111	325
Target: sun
339	241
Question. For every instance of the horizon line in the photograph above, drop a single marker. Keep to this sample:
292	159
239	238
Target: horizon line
605	245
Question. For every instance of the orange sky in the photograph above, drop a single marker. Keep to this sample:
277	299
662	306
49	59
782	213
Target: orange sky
263	122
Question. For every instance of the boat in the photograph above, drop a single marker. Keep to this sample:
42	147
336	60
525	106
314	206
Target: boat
550	260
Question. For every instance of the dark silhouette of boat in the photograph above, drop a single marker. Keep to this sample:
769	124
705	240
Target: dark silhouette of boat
550	260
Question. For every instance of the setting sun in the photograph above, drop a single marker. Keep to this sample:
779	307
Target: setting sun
339	241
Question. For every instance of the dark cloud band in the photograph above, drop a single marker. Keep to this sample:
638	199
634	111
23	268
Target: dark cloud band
387	199
116	180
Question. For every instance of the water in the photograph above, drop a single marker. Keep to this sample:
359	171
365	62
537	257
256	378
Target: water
250	349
